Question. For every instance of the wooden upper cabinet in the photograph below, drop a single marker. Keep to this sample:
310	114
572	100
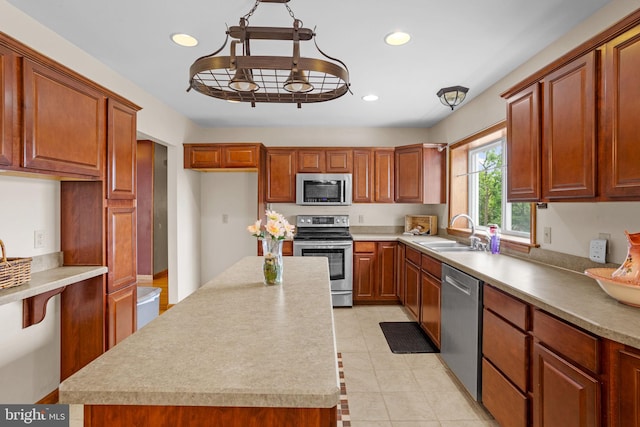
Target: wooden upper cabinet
311	160
363	165
7	104
383	175
64	122
420	174
325	160
211	156
280	175
619	148
569	141
338	160
523	145
121	151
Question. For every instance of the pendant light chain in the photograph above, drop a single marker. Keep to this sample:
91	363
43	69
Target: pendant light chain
255	6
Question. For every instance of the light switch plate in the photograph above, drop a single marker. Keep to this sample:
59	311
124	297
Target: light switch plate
598	250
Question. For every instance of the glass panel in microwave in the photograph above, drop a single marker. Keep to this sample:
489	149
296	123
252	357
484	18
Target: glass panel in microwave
335	257
323	191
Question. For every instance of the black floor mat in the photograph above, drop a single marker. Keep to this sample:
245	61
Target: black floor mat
407	337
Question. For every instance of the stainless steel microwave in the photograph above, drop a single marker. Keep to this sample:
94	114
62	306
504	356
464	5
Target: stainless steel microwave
323	189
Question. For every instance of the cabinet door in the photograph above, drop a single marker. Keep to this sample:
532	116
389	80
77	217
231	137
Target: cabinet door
121	314
121	246
363	165
523	145
412	289
430	307
620	174
7	94
384	179
364	276
386	289
281	176
338	160
240	156
64	123
569	140
408	171
400	283
202	156
121	152
563	395
311	161
628	389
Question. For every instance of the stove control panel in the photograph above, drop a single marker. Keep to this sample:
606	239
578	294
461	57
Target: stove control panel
322	221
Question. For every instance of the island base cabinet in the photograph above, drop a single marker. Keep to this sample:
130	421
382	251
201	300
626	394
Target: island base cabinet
184	416
563	395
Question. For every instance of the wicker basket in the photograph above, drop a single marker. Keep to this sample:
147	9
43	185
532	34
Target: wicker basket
13	271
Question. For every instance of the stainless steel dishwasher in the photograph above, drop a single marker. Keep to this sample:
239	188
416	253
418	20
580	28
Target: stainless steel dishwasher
461	341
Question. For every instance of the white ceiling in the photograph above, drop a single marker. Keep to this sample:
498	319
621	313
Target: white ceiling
473	43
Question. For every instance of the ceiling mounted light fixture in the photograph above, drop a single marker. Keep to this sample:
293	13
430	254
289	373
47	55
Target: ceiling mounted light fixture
452	96
275	79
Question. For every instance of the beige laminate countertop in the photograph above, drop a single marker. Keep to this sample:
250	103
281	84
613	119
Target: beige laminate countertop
233	342
569	295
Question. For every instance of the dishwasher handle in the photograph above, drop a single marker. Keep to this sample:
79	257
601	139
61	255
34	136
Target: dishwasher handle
458	285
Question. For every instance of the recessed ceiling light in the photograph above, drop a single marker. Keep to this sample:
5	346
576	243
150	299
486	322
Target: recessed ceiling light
369	98
184	40
397	39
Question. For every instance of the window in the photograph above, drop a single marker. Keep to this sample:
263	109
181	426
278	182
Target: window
478	188
487	192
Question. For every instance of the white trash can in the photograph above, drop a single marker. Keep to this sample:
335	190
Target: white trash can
148	306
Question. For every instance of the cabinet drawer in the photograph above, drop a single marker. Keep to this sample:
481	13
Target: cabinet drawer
364	247
413	256
572	343
432	266
506	347
508	307
505	402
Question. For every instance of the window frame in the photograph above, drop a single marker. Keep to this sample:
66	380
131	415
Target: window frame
459	185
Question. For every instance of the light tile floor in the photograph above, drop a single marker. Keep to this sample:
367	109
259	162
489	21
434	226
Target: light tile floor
398	390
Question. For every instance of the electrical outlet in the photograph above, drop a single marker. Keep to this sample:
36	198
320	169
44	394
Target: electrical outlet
360	219
225	218
547	235
598	250
39	237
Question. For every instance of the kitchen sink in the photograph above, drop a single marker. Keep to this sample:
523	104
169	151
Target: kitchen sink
446	246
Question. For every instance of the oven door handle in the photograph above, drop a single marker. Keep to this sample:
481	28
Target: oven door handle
321	245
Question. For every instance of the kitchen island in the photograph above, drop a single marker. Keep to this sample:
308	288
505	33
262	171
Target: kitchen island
234	353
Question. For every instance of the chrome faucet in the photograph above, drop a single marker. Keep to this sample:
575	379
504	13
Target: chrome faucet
473	239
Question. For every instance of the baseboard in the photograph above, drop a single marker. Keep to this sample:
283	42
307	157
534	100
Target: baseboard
144	278
50	399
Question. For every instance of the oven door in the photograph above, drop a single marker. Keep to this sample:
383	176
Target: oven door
339	255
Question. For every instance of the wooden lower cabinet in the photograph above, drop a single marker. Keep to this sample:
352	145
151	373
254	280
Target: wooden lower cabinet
121	314
624	385
81	325
147	415
374	272
564	395
507	404
430	299
412	283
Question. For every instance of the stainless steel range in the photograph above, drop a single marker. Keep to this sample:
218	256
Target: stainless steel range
328	236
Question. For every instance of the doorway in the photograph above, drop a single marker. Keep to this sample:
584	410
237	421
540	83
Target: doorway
152	236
